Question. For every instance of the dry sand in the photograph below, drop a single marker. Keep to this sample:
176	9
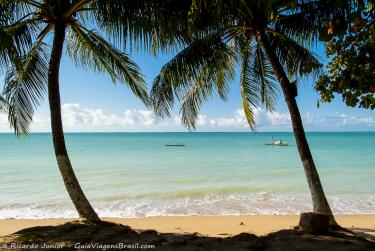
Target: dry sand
218	226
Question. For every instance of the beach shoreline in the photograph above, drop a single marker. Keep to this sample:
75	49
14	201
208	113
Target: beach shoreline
213	226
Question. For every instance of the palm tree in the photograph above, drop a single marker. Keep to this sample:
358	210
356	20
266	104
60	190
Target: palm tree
270	40
31	61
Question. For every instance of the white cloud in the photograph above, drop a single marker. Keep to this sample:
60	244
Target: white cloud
79	119
338	121
3	119
279	119
353	120
39	124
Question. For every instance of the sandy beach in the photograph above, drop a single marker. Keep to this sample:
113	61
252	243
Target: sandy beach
215	226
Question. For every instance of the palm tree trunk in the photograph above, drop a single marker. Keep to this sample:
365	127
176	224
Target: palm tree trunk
75	192
319	200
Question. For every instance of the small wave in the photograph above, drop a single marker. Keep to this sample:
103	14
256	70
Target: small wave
214	204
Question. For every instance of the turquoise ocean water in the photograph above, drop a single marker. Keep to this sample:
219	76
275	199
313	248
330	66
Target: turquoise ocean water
134	174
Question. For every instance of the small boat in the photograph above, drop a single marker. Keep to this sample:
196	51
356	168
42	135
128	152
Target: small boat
178	144
277	143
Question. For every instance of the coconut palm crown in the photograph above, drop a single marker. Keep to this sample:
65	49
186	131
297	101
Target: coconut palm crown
34	34
87	25
269	41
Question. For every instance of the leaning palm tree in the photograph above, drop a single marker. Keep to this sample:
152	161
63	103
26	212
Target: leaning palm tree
270	40
39	32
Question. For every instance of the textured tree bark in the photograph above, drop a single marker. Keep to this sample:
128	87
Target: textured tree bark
75	192
314	223
319	200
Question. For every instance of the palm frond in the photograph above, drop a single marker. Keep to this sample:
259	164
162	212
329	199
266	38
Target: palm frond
258	84
207	59
263	74
25	87
23	33
7	49
15	10
302	24
191	103
250	90
144	25
216	75
5	13
297	60
133	24
90	51
17	39
2	104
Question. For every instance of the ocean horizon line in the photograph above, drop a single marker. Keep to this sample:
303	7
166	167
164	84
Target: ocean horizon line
135	132
220	173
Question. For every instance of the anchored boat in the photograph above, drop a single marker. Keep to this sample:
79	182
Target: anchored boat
178	144
277	143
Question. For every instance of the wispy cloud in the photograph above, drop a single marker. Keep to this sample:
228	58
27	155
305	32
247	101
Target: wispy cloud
79	119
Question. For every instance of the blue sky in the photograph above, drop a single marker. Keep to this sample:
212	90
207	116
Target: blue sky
92	103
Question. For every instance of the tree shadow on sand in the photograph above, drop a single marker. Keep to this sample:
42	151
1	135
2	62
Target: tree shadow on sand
70	234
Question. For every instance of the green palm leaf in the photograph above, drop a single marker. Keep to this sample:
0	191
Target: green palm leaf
297	60
263	75
249	92
25	87
206	63
6	49
90	51
144	24
216	75
3	103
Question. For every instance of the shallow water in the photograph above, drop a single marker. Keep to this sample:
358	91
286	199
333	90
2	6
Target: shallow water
134	174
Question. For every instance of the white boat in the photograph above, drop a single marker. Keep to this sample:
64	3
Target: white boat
277	143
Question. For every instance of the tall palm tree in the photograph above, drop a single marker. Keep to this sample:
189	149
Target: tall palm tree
270	40
39	32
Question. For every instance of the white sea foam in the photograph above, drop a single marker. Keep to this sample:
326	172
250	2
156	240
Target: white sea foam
254	204
134	175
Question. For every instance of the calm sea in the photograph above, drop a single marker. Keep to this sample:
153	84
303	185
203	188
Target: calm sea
135	174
